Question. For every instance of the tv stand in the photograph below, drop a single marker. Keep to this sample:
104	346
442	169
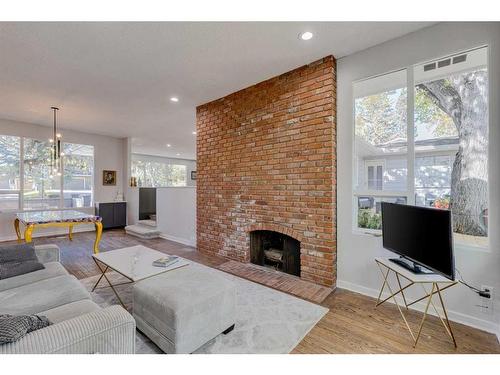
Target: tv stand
393	273
411	266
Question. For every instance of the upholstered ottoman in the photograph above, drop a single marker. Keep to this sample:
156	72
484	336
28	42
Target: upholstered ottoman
182	309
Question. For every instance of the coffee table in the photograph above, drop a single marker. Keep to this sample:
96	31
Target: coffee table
134	263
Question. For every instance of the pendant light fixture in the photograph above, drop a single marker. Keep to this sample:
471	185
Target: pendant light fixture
56	153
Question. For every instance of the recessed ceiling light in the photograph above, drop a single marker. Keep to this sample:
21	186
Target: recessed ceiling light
178	154
194	133
306	35
174	99
169	145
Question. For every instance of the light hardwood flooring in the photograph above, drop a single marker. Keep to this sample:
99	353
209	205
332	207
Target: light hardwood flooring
353	324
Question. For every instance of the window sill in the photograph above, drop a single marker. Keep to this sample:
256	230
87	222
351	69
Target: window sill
367	232
464	246
458	245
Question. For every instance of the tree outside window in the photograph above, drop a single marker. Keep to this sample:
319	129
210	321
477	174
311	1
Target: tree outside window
158	174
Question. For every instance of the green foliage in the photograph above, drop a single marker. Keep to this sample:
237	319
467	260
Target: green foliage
380	118
158	174
9	161
435	119
369	219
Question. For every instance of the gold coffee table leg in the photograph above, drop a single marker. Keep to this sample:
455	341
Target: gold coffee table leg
18	231
28	232
109	282
70	232
98	234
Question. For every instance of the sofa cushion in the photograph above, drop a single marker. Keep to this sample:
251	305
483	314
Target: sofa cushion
17	252
12	328
70	310
51	269
17	260
42	295
47	253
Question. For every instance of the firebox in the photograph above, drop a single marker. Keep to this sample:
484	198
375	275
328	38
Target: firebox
276	250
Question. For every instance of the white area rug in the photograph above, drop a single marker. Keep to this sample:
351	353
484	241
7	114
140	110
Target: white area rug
267	321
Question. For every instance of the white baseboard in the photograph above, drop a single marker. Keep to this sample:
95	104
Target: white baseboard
53	232
183	241
454	316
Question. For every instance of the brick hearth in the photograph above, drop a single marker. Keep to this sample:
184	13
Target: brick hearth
266	158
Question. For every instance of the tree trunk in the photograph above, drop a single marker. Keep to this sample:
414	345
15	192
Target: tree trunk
464	98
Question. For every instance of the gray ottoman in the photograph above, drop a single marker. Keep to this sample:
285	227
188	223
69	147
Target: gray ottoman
183	309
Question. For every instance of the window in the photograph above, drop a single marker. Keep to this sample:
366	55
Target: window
10	183
374	174
438	157
78	163
380	144
177	175
40	190
151	173
32	187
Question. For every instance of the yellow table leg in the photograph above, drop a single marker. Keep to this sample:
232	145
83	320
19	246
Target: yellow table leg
27	233
70	234
98	234
18	232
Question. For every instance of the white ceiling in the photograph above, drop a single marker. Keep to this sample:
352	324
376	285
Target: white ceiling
116	78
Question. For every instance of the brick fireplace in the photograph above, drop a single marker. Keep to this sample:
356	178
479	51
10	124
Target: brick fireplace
266	162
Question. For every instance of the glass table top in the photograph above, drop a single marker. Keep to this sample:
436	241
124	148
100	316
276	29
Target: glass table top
58	216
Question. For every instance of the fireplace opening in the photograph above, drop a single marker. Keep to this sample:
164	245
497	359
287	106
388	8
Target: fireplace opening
276	250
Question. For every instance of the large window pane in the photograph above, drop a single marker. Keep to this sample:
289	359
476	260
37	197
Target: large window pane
381	132
158	174
177	174
78	175
451	139
9	172
41	190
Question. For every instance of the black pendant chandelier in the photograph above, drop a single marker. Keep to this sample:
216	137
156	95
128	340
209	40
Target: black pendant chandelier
55	153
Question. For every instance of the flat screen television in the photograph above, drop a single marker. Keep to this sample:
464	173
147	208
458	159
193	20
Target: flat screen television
422	236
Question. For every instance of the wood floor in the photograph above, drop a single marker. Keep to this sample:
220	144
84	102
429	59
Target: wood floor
352	325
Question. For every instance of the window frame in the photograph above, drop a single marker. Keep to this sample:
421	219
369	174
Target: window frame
410	151
20	192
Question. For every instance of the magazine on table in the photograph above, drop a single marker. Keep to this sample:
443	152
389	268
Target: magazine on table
166	261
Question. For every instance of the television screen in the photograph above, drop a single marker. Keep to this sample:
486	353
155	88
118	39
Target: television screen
420	234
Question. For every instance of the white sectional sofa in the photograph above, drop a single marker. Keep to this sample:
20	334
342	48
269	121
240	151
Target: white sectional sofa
78	324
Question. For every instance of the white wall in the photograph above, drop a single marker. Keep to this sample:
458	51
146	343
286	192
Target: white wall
176	214
356	268
108	155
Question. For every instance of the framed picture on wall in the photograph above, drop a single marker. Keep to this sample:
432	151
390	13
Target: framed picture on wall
193	175
109	178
